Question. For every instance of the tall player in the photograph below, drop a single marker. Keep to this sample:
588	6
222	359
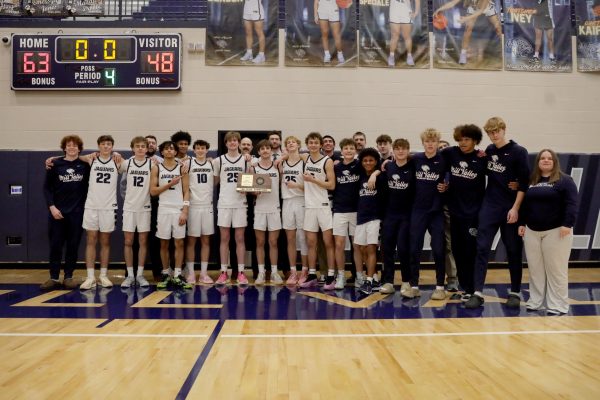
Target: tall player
267	215
172	188
136	209
100	210
201	219
292	193
319	177
232	206
327	16
402	17
506	161
254	18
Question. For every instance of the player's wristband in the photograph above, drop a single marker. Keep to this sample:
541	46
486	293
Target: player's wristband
186	203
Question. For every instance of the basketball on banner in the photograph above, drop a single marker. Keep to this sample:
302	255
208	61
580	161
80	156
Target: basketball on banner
343	3
440	22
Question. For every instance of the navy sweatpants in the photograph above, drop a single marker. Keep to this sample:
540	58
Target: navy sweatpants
420	222
61	232
464	247
490	220
395	239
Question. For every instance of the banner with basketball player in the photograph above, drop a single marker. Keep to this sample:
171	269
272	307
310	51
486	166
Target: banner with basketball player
467	34
537	35
587	15
320	33
394	34
242	32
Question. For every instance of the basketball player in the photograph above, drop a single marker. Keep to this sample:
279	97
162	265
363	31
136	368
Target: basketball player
345	203
319	177
368	216
182	140
254	17
292	193
427	214
466	188
327	16
506	161
100	210
65	190
475	8
267	214
384	146
136	209
201	219
543	22
401	19
395	230
172	188
232	206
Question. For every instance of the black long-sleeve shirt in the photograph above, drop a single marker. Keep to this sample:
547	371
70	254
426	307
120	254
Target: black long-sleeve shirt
550	205
466	181
505	164
428	173
66	185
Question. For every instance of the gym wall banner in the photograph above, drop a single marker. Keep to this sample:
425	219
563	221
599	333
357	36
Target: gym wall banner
320	33
394	34
537	35
587	14
467	34
234	26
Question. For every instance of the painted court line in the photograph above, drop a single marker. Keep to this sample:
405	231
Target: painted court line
107	335
424	334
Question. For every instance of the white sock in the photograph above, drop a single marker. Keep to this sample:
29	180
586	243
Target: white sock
167	271
204	267
129	271
190	267
478	293
370	279
342	274
223	267
90	273
312	271
392	54
241	268
359	275
103	271
248	51
304	268
140	271
551	55
261	268
330	272
463	51
536	54
177	272
274	268
293	269
262	53
327	53
439	288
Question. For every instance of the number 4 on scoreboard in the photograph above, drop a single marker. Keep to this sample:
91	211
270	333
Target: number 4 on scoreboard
110	77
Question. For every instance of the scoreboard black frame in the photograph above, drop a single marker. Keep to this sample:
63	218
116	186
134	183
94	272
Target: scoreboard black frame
96	62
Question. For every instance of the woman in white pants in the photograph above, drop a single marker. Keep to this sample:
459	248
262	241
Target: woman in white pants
548	214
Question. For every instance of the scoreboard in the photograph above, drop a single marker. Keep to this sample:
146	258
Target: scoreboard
96	62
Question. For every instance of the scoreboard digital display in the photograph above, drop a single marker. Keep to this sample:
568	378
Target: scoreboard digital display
91	62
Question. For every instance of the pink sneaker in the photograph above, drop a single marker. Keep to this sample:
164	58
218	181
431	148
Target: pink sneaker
292	279
241	279
312	282
191	279
204	278
223	279
303	276
331	286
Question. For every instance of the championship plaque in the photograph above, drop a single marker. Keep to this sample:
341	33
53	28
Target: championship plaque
254	183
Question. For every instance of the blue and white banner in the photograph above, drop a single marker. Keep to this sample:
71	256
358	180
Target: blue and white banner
587	15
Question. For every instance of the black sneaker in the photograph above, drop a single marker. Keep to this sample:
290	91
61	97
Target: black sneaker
329	279
551	312
51	284
179	282
366	288
475	301
456	296
513	301
165	281
376	286
465	297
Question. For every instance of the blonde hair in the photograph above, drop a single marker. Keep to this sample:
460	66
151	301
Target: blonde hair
138	139
430	133
494	124
232	135
294	138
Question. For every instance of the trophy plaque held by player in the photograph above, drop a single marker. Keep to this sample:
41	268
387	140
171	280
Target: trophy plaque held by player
249	182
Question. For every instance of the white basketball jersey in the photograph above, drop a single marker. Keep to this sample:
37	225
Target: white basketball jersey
314	195
171	200
102	189
229	171
202	183
292	173
137	195
268	202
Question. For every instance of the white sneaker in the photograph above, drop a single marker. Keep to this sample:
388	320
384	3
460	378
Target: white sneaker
391	61
141	281
340	282
358	282
247	56
340	57
88	284
128	282
327	58
105	282
405	289
259	59
463	58
409	60
276	278
260	278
